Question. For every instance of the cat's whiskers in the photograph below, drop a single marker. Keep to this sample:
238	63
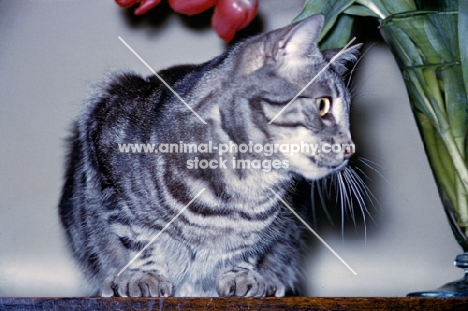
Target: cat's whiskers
353	69
343	198
358	189
360	95
350	191
370	196
366	163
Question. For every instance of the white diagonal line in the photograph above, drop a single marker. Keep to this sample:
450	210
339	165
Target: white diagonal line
315	233
164	82
160	232
313	79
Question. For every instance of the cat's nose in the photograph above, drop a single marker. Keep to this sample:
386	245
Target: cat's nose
348	154
349	150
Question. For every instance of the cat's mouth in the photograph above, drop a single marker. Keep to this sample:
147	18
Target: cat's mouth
340	166
337	167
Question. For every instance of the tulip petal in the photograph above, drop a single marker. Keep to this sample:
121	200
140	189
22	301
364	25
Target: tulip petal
126	3
145	6
232	15
191	7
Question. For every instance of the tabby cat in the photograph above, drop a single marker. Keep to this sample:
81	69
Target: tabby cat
236	238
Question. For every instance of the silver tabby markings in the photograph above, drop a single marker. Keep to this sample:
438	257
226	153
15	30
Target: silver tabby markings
236	239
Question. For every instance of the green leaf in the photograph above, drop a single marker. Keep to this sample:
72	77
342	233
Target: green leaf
463	39
397	36
360	10
338	39
435	149
399	6
455	105
331	9
375	6
441	5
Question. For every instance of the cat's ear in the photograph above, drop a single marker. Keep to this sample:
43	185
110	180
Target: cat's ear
283	46
301	36
296	40
350	55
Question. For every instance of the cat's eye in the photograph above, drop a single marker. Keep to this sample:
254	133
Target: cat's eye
323	105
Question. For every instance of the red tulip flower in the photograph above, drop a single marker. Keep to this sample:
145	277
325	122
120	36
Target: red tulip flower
229	15
191	7
126	3
233	15
145	5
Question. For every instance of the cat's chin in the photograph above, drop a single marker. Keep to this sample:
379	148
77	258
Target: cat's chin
340	166
314	174
317	171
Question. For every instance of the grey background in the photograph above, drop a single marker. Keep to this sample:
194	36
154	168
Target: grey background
50	51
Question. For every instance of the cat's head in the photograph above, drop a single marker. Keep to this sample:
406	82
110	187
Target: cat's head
270	70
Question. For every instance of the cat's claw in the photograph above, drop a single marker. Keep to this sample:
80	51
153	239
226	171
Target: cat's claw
274	288
137	284
241	282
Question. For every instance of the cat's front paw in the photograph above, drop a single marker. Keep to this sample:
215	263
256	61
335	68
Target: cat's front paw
274	288
137	284
241	282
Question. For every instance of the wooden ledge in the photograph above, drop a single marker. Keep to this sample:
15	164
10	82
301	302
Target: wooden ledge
289	303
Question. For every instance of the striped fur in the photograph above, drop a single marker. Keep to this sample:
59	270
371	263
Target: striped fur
234	239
